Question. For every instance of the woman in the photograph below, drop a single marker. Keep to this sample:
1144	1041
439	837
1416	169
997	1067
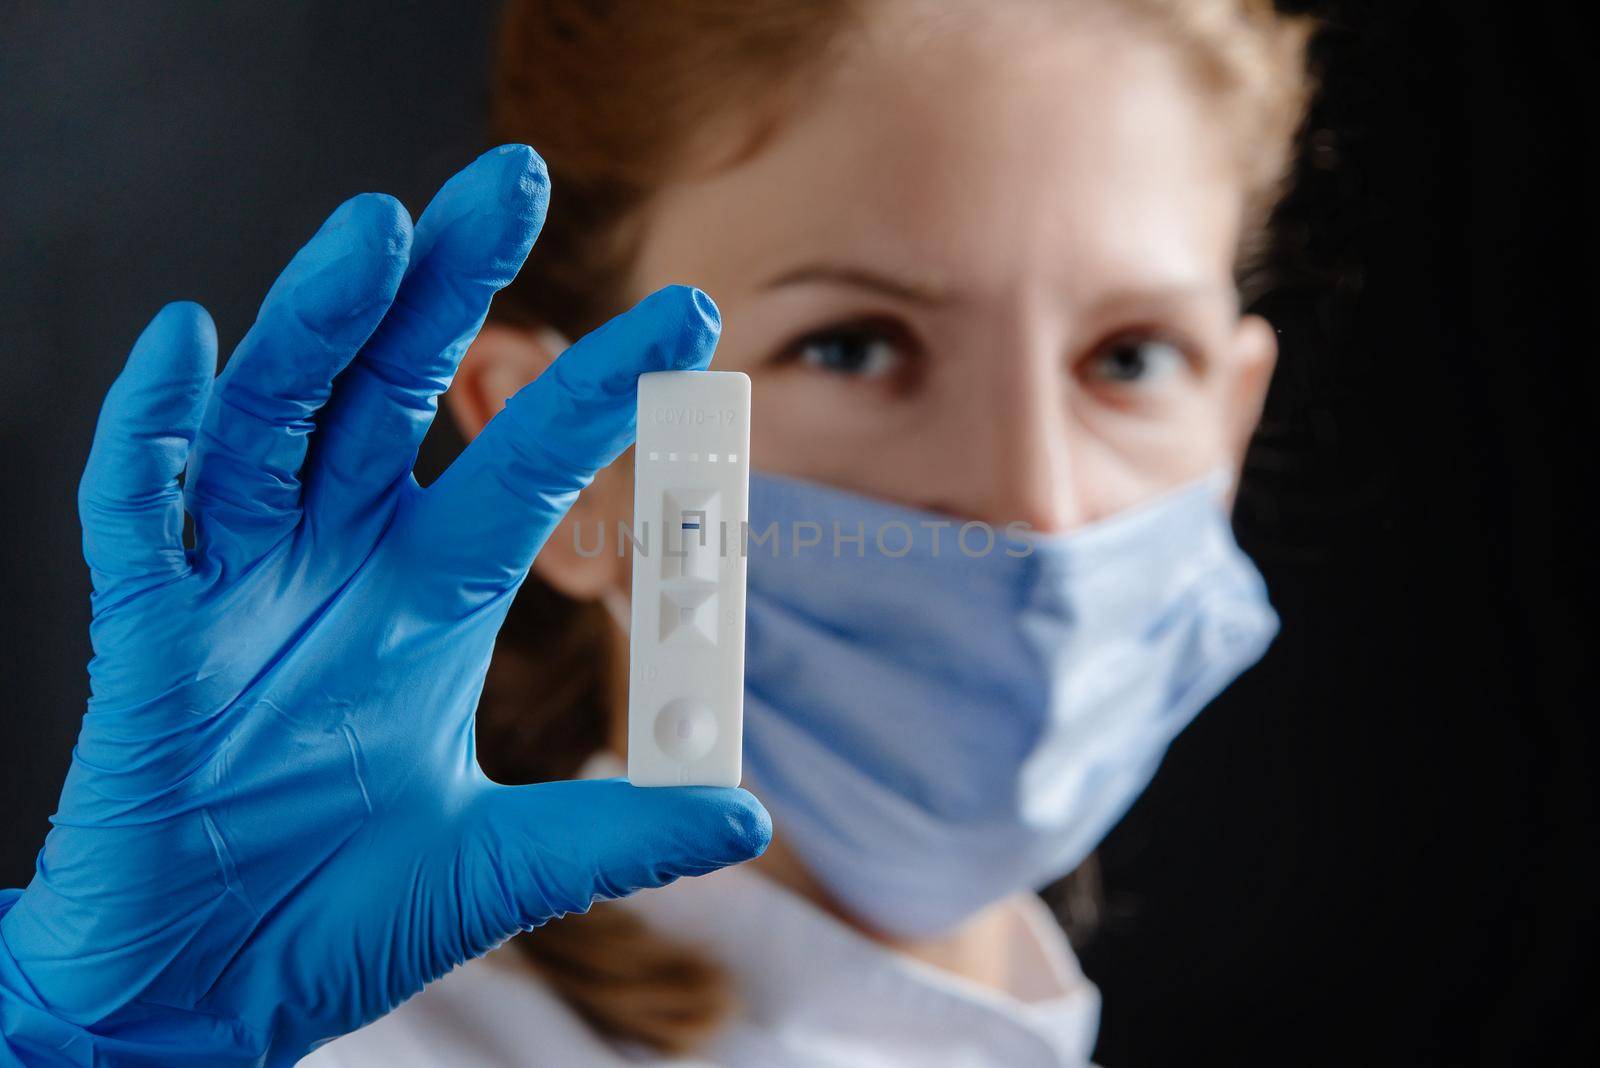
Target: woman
979	261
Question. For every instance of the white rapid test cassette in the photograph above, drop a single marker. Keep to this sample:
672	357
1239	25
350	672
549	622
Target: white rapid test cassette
691	491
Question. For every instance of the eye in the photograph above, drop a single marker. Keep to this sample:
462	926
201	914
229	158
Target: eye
859	350
1135	359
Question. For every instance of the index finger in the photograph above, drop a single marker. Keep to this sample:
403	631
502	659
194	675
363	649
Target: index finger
484	520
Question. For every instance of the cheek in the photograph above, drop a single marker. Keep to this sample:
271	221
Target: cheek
823	429
1123	454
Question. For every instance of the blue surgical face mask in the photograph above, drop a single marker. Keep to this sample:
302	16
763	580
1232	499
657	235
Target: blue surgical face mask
937	720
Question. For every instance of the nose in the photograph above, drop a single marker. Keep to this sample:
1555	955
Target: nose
1009	459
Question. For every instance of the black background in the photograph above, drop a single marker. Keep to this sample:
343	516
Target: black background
1373	848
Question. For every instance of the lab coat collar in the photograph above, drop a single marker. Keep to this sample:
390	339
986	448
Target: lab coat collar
820	984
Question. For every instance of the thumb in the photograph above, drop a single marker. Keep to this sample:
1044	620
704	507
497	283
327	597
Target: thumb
534	853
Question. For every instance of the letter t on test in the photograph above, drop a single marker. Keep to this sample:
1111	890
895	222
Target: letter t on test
691	491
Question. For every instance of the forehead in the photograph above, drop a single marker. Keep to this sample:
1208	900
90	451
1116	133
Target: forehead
976	154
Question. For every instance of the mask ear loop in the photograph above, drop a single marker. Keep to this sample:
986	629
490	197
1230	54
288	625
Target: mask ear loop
553	341
619	606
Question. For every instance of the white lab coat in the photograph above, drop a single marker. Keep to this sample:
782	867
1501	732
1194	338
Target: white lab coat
814	993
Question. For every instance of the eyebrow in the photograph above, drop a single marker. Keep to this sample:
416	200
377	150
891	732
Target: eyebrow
1167	294
861	278
912	292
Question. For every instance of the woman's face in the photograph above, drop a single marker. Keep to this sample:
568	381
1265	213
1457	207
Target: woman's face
984	269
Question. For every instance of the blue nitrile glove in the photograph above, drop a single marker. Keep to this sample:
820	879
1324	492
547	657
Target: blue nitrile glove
274	828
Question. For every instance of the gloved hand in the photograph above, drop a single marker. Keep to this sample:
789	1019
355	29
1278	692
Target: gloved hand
274	828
